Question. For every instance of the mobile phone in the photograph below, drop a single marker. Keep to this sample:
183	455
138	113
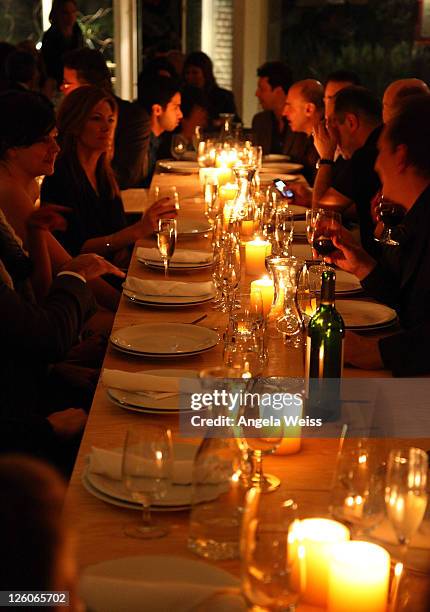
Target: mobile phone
283	188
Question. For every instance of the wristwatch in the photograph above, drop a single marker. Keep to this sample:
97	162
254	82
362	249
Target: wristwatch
324	162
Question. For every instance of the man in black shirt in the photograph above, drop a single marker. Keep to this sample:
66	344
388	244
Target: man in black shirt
354	128
401	278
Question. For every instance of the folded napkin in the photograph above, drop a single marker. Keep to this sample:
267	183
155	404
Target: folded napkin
179	256
139	382
118	593
167	288
109	463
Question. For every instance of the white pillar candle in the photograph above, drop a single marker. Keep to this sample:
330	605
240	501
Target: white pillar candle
266	286
358	578
255	256
227	191
317	537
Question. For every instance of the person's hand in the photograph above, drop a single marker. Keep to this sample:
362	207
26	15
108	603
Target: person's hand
362	352
90	265
325	140
48	218
350	256
165	208
302	193
67	423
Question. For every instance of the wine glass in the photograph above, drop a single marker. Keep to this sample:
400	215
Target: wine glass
166	240
327	224
212	203
271	574
178	146
311	215
260	433
391	215
357	497
147	465
406	492
284	231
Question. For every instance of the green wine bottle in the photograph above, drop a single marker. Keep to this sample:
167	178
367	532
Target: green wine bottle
324	354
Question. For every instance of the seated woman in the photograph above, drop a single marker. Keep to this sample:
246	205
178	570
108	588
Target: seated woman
84	181
198	72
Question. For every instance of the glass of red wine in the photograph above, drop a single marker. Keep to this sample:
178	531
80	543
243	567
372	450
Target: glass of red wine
391	215
327	225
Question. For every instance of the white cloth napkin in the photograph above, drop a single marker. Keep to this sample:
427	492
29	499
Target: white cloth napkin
109	463
111	594
167	288
147	385
179	256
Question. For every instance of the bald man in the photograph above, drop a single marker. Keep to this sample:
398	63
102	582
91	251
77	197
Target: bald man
304	109
397	91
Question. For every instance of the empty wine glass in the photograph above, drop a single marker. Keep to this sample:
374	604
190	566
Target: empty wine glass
357	496
147	466
284	231
327	224
271	574
166	240
406	492
178	146
261	435
391	214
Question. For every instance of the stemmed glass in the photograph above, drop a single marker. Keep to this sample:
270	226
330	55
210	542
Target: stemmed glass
311	215
147	466
262	440
327	224
391	215
357	495
271	565
178	146
166	240
284	231
212	202
406	492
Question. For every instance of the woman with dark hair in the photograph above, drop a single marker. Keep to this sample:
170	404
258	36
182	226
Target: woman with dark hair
63	35
198	72
84	181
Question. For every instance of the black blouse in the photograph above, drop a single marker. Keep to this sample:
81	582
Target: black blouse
91	215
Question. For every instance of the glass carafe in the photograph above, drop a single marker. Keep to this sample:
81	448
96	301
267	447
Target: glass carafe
227	131
286	271
245	205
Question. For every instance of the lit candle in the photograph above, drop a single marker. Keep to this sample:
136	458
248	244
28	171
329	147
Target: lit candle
317	538
255	256
227	192
224	175
358	578
267	289
208	175
247	228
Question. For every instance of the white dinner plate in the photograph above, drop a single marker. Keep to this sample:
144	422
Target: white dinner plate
179	167
273	158
153	583
360	314
418	553
152	263
280	167
142	403
167	300
193	226
176	495
346	282
269	176
164	339
120	503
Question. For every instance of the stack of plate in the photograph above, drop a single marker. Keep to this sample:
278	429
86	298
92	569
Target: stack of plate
360	315
165	340
178	496
145	402
174	265
190	227
280	167
167	301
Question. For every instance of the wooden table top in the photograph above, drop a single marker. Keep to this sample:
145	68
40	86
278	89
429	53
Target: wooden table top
307	476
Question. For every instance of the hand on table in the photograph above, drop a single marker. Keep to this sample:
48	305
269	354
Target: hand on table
165	208
90	266
67	423
362	352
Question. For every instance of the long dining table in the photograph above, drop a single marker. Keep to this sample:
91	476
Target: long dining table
306	476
